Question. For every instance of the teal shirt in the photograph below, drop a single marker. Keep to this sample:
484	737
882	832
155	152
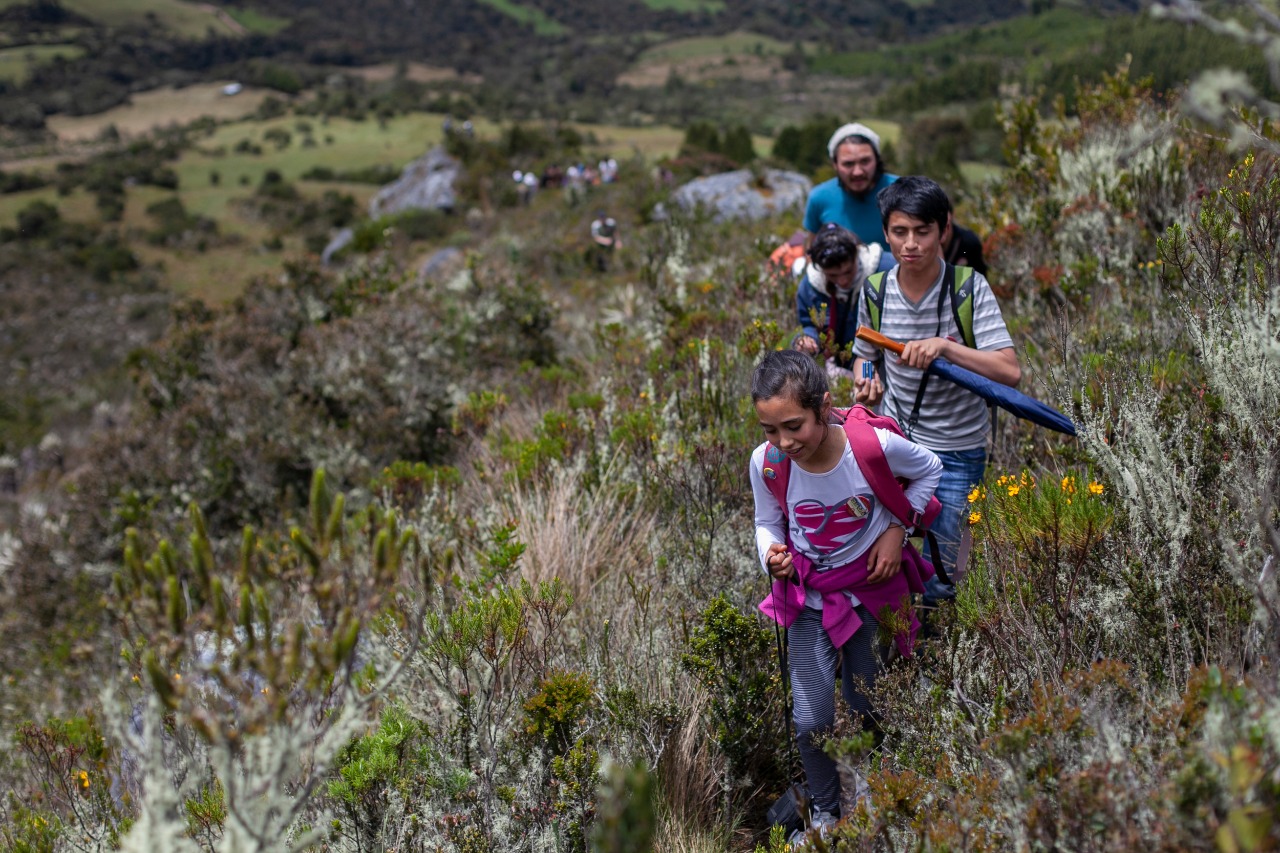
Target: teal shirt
830	202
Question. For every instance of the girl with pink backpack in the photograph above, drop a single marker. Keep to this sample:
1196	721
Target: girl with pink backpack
832	522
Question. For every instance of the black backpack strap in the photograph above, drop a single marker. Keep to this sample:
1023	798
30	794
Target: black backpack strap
910	426
935	557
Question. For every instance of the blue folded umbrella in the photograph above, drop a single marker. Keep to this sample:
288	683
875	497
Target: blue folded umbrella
1009	399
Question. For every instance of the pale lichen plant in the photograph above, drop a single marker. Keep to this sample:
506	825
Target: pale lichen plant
256	673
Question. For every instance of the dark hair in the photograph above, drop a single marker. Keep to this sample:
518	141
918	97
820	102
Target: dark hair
833	246
859	139
918	197
794	374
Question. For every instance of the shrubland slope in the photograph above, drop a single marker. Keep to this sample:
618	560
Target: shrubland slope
544	553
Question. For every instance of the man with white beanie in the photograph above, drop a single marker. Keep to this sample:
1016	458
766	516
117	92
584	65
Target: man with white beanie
849	199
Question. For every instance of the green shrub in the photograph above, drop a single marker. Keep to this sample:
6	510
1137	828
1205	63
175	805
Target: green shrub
731	656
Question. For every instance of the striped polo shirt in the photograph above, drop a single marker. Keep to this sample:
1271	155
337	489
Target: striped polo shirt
950	418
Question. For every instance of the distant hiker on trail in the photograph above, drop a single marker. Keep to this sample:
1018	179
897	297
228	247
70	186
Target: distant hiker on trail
849	199
940	310
825	535
573	185
529	187
552	176
608	170
604	237
834	272
964	248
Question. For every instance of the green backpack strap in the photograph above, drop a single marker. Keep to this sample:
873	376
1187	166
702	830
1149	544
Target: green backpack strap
962	281
962	302
874	289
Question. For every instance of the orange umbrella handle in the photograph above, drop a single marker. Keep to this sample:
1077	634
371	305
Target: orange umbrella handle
865	333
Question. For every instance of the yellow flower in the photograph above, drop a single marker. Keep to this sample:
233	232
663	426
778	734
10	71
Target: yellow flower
1013	491
975	517
1069	485
83	776
1095	488
975	494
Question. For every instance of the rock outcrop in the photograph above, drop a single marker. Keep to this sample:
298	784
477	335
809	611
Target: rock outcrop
426	183
744	194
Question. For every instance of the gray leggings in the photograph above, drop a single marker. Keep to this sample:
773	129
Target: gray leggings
812	661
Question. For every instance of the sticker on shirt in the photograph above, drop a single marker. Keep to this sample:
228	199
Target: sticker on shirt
828	529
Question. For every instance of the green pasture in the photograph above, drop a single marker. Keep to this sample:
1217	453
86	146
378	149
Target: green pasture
541	23
343	144
76	207
890	131
220	272
16	62
712	6
256	22
186	19
1057	33
976	173
737	43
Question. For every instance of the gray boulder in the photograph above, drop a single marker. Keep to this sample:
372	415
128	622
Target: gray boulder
440	263
744	195
426	183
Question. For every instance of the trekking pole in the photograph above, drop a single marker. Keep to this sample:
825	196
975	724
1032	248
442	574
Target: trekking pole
780	638
793	806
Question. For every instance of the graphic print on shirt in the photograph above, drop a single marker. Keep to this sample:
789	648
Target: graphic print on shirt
828	529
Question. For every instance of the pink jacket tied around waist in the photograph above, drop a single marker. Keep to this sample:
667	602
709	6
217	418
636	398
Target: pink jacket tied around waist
839	617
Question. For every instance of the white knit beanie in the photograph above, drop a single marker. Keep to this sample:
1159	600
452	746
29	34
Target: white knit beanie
853	129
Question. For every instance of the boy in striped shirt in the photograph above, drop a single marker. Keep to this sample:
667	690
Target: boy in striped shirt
947	419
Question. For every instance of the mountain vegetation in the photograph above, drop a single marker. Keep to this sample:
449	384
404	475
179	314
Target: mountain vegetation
446	545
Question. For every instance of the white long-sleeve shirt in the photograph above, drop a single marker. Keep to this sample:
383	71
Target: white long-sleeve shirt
834	516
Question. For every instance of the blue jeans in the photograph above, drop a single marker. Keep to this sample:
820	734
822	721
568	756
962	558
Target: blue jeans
961	471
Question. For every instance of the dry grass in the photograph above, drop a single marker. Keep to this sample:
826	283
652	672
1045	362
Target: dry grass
738	55
580	535
415	71
675	837
157	108
192	20
689	787
652	73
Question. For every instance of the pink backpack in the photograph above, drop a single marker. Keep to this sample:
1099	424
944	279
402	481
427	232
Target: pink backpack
860	425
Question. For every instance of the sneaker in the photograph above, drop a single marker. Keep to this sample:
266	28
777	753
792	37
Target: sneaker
820	824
